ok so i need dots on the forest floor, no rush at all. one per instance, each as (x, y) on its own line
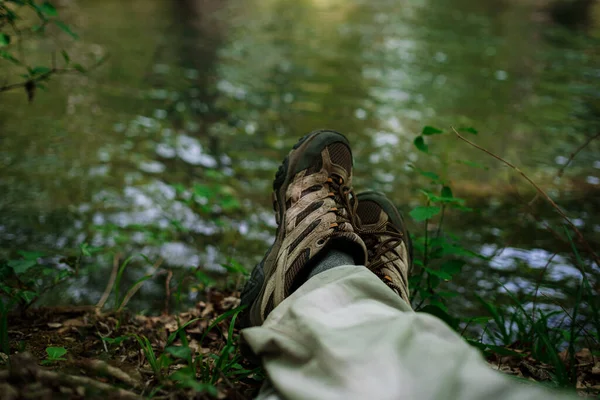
(107, 356)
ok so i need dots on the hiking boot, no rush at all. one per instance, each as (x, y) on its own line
(382, 228)
(313, 200)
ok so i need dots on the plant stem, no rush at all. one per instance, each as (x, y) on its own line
(541, 192)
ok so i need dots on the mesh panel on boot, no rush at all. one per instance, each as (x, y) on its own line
(368, 212)
(340, 154)
(295, 268)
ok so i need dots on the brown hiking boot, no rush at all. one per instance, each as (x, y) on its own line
(384, 233)
(313, 201)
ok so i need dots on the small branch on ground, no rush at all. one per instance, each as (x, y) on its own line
(24, 369)
(74, 381)
(102, 367)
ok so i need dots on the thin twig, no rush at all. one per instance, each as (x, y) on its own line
(228, 382)
(48, 74)
(560, 172)
(132, 291)
(541, 192)
(110, 284)
(38, 78)
(168, 291)
(439, 229)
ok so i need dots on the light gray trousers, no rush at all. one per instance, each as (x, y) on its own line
(345, 335)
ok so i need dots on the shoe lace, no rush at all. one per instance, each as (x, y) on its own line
(378, 248)
(345, 201)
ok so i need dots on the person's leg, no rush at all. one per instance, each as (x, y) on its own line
(345, 335)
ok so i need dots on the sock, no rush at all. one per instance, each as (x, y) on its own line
(333, 258)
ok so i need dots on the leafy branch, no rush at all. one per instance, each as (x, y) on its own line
(11, 34)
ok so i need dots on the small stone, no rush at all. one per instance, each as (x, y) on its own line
(54, 325)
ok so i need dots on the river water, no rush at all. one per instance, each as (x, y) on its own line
(170, 147)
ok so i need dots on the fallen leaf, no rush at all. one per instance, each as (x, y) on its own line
(584, 356)
(208, 310)
(230, 302)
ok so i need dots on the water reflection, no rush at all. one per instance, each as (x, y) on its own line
(170, 149)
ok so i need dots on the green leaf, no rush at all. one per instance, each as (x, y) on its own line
(55, 353)
(449, 249)
(179, 351)
(440, 274)
(441, 314)
(421, 145)
(173, 335)
(4, 39)
(230, 203)
(39, 70)
(448, 294)
(442, 199)
(428, 174)
(48, 9)
(66, 29)
(79, 68)
(118, 340)
(27, 296)
(430, 130)
(21, 266)
(187, 378)
(66, 56)
(468, 130)
(7, 56)
(452, 267)
(480, 320)
(31, 255)
(439, 305)
(422, 213)
(472, 164)
(235, 267)
(204, 191)
(84, 249)
(447, 192)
